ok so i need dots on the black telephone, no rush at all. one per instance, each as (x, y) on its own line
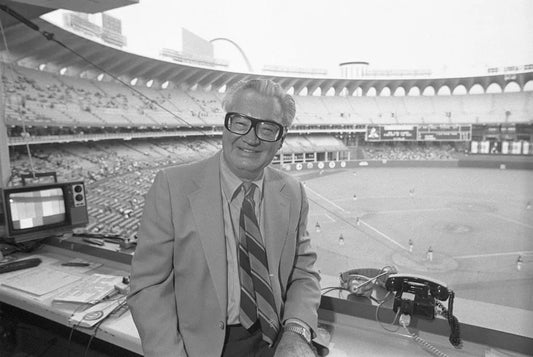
(425, 290)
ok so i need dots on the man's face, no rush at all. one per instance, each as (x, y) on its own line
(247, 155)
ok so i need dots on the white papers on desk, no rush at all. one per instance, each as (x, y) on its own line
(90, 290)
(40, 280)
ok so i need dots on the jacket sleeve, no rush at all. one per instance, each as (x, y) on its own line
(303, 289)
(152, 298)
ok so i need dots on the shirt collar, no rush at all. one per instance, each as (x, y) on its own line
(231, 183)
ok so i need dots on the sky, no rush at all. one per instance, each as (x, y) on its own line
(443, 36)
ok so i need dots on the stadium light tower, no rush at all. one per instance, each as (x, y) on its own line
(248, 64)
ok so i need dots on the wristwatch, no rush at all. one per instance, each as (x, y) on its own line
(300, 330)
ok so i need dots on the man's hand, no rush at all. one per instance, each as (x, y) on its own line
(292, 345)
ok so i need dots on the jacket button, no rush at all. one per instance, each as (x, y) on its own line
(221, 324)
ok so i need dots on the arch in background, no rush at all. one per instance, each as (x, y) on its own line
(248, 64)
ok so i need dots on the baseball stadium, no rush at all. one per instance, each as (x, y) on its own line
(427, 175)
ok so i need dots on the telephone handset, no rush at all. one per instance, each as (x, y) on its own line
(413, 283)
(424, 291)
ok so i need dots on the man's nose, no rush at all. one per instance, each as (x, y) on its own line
(251, 138)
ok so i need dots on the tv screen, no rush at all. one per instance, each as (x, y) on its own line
(37, 208)
(40, 211)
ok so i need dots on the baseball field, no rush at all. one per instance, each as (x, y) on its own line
(476, 223)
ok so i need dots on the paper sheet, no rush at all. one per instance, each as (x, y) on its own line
(40, 280)
(91, 289)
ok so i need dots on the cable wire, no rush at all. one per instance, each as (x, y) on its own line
(96, 327)
(74, 327)
(332, 288)
(120, 304)
(455, 328)
(423, 343)
(395, 317)
(51, 37)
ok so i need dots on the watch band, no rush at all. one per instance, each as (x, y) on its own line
(300, 330)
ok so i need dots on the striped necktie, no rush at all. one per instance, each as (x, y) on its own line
(257, 300)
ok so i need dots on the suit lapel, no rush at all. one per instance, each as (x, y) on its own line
(206, 204)
(277, 218)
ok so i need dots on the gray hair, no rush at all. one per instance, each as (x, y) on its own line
(267, 88)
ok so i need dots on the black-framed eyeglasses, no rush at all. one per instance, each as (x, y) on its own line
(266, 130)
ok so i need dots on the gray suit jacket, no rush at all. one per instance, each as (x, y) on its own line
(178, 293)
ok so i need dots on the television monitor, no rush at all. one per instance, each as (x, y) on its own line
(43, 210)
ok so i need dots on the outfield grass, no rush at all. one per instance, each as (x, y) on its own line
(475, 220)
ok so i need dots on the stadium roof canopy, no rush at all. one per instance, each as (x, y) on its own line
(30, 48)
(32, 9)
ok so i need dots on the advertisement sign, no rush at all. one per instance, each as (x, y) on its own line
(438, 132)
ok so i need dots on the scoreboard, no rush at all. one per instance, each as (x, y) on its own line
(430, 132)
(454, 132)
(391, 133)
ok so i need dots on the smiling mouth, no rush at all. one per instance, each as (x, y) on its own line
(248, 151)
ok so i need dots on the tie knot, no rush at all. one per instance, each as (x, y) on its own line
(249, 189)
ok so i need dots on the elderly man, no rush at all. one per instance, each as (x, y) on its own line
(223, 266)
